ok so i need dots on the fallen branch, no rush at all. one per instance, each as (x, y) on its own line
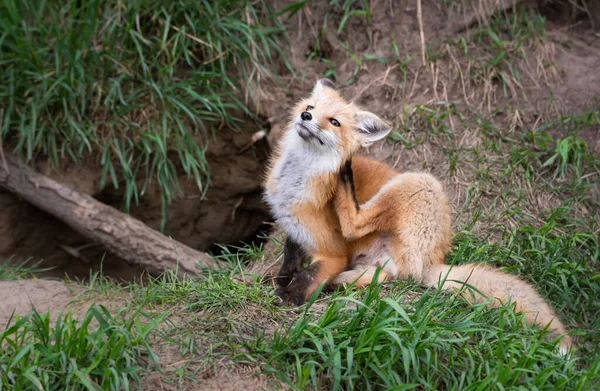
(118, 232)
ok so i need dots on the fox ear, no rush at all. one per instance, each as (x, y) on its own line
(371, 128)
(323, 83)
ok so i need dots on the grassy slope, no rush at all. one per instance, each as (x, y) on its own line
(134, 88)
(530, 205)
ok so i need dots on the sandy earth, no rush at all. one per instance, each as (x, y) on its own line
(22, 296)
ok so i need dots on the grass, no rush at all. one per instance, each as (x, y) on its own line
(530, 206)
(395, 336)
(98, 352)
(11, 270)
(334, 32)
(137, 88)
(498, 57)
(432, 342)
(398, 335)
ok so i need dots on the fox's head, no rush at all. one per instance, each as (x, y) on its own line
(330, 124)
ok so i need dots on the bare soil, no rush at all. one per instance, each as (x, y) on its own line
(21, 297)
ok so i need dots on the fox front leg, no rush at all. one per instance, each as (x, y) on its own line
(296, 292)
(323, 269)
(293, 258)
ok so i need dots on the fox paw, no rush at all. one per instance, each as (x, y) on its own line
(290, 297)
(348, 234)
(284, 279)
(350, 237)
(297, 291)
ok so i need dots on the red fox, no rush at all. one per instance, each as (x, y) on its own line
(348, 216)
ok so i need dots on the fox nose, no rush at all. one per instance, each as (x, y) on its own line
(306, 116)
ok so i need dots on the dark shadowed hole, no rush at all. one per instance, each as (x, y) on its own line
(257, 239)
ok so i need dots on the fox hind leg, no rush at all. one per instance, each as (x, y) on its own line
(361, 277)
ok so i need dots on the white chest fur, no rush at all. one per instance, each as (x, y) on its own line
(298, 164)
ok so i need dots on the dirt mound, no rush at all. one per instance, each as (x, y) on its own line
(21, 297)
(222, 381)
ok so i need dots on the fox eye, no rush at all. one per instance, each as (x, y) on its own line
(309, 107)
(334, 122)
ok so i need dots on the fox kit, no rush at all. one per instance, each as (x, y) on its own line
(348, 216)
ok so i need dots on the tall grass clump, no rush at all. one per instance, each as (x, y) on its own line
(136, 86)
(99, 352)
(435, 341)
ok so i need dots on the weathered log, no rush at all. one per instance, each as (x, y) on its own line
(118, 232)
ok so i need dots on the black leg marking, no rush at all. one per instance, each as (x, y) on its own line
(295, 293)
(293, 257)
(347, 178)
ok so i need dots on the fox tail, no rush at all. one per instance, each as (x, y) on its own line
(498, 285)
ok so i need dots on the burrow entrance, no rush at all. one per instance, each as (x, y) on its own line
(232, 213)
